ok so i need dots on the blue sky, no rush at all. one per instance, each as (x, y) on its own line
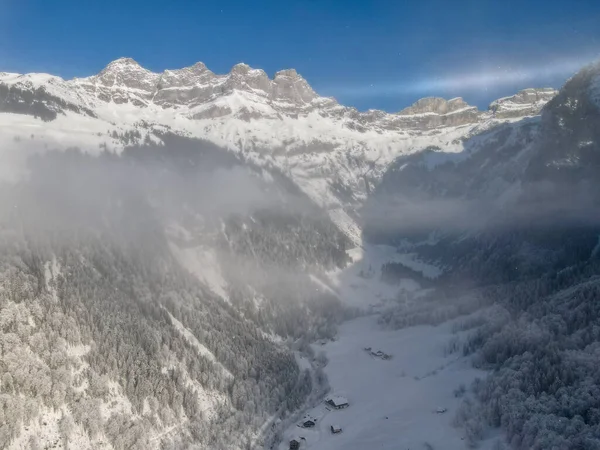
(370, 54)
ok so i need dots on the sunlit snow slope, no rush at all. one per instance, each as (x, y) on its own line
(336, 154)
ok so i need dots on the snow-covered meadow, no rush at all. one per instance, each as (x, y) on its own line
(394, 403)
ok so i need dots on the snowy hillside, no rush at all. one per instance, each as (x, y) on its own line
(184, 279)
(336, 154)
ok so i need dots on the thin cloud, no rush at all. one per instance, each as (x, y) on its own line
(470, 81)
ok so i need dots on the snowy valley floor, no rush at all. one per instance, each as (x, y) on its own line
(393, 402)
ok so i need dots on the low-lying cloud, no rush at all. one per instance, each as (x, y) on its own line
(538, 205)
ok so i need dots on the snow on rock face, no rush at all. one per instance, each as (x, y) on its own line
(435, 105)
(244, 78)
(288, 85)
(528, 102)
(121, 81)
(432, 112)
(127, 72)
(188, 76)
(336, 154)
(125, 81)
(184, 86)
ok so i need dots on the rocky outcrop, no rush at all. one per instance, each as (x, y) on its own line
(245, 78)
(125, 81)
(528, 102)
(249, 94)
(288, 86)
(190, 85)
(212, 112)
(121, 81)
(433, 112)
(435, 105)
(570, 135)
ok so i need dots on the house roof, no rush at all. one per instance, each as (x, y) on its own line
(336, 427)
(337, 400)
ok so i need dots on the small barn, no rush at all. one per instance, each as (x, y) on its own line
(335, 429)
(337, 402)
(294, 443)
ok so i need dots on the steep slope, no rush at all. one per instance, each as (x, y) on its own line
(532, 253)
(513, 178)
(108, 341)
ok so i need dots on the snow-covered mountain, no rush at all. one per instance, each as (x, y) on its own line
(163, 297)
(248, 94)
(333, 152)
(515, 193)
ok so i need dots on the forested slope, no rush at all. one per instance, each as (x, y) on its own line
(108, 341)
(531, 258)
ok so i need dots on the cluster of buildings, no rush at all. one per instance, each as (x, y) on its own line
(308, 421)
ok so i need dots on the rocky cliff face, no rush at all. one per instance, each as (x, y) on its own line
(570, 134)
(122, 81)
(514, 175)
(125, 81)
(527, 102)
(434, 112)
(205, 95)
(436, 105)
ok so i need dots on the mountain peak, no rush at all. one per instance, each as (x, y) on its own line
(187, 74)
(123, 66)
(123, 77)
(241, 68)
(122, 62)
(289, 86)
